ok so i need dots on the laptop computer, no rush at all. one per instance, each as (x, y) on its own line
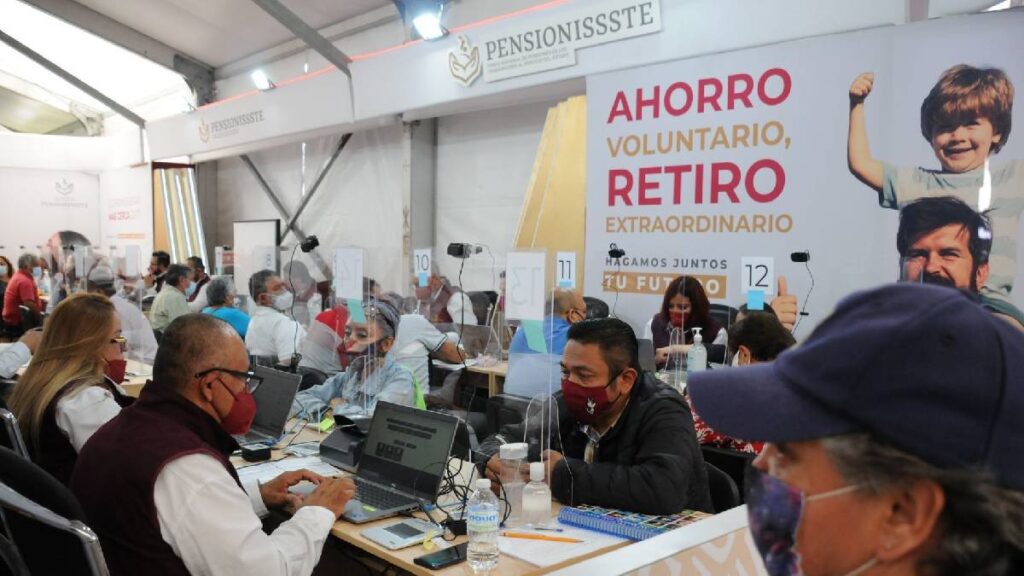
(645, 350)
(274, 398)
(403, 462)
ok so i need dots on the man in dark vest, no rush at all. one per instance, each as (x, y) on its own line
(157, 486)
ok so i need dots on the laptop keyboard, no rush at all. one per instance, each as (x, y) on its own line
(379, 498)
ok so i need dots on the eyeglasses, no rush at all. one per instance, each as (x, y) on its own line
(252, 381)
(121, 342)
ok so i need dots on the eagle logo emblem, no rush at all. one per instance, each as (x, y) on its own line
(204, 131)
(590, 406)
(64, 187)
(464, 62)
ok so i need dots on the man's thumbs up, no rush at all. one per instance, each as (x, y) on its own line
(785, 304)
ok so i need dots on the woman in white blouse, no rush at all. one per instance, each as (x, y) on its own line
(71, 387)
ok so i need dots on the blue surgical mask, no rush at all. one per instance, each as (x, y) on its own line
(191, 289)
(37, 272)
(774, 511)
(3, 270)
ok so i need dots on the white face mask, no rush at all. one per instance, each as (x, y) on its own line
(3, 270)
(283, 301)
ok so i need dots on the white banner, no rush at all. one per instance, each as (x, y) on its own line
(126, 209)
(39, 203)
(695, 164)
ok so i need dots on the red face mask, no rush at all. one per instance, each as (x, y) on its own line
(586, 405)
(676, 318)
(239, 419)
(116, 370)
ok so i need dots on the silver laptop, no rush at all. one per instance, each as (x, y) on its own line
(404, 459)
(274, 398)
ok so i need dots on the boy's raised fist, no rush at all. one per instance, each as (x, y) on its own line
(861, 87)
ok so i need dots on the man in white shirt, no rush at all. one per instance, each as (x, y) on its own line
(417, 341)
(134, 326)
(170, 303)
(196, 292)
(445, 303)
(173, 503)
(13, 357)
(271, 333)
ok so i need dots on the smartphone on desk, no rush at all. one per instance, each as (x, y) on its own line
(443, 558)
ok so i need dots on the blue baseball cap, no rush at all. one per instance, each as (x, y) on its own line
(922, 368)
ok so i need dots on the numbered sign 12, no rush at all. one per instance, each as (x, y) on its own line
(524, 285)
(565, 270)
(757, 273)
(348, 273)
(421, 265)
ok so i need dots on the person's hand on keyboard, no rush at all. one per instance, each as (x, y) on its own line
(333, 494)
(275, 493)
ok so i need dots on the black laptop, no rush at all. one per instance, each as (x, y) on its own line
(274, 398)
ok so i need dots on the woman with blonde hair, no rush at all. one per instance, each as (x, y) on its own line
(71, 387)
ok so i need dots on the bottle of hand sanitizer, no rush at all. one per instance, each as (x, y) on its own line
(697, 358)
(536, 498)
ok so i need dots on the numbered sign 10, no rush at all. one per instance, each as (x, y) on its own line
(524, 285)
(421, 266)
(757, 273)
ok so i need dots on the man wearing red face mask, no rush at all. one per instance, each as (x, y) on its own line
(623, 439)
(173, 503)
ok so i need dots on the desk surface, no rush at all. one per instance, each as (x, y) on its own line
(403, 559)
(498, 369)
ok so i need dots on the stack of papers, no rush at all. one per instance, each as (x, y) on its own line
(543, 553)
(269, 470)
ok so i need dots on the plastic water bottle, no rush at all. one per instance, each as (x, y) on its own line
(697, 359)
(512, 455)
(536, 498)
(676, 365)
(482, 527)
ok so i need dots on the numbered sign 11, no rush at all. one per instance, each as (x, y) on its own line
(421, 265)
(757, 273)
(565, 270)
(524, 285)
(348, 273)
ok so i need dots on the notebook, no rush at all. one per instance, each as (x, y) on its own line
(626, 524)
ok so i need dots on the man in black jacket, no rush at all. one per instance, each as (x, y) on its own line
(623, 439)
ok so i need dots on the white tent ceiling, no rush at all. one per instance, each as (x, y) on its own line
(222, 31)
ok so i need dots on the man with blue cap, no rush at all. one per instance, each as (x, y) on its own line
(895, 439)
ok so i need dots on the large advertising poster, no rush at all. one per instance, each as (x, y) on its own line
(696, 165)
(38, 203)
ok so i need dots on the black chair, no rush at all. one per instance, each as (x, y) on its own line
(10, 434)
(733, 463)
(310, 377)
(481, 305)
(725, 495)
(596, 308)
(45, 522)
(29, 318)
(725, 314)
(505, 409)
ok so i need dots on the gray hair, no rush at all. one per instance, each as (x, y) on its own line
(175, 272)
(384, 314)
(26, 261)
(258, 283)
(981, 527)
(219, 290)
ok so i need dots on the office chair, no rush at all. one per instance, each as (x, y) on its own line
(725, 495)
(505, 409)
(725, 314)
(10, 434)
(596, 308)
(45, 522)
(732, 462)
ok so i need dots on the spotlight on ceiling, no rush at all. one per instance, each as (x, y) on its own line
(424, 16)
(259, 78)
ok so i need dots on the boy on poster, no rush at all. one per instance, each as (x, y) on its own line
(966, 118)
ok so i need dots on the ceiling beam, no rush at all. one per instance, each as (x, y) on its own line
(198, 75)
(303, 31)
(72, 79)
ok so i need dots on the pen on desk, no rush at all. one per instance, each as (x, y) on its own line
(544, 537)
(542, 528)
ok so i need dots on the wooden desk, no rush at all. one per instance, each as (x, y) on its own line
(136, 376)
(403, 559)
(495, 373)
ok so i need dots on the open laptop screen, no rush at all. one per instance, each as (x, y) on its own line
(407, 449)
(273, 400)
